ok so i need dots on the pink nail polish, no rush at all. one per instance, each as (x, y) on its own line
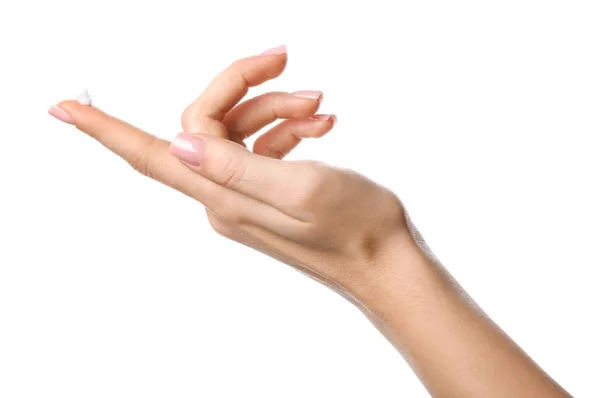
(60, 114)
(318, 95)
(188, 148)
(324, 117)
(275, 50)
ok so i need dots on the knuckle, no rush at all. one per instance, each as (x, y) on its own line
(139, 162)
(227, 211)
(394, 208)
(321, 176)
(188, 115)
(237, 65)
(232, 173)
(194, 117)
(315, 182)
(275, 153)
(229, 214)
(238, 72)
(142, 159)
(276, 100)
(219, 225)
(278, 107)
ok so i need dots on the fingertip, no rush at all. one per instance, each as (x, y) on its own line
(274, 62)
(260, 147)
(280, 64)
(325, 125)
(279, 50)
(325, 118)
(80, 115)
(313, 98)
(71, 105)
(60, 114)
(70, 111)
(321, 125)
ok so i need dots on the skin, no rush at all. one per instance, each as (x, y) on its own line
(334, 225)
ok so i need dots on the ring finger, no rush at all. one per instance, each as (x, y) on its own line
(281, 139)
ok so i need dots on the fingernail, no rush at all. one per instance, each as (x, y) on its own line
(60, 114)
(325, 117)
(309, 94)
(275, 50)
(188, 148)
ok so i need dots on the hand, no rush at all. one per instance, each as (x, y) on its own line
(332, 224)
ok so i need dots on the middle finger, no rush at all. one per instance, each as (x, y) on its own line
(252, 115)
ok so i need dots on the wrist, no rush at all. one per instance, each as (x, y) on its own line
(404, 264)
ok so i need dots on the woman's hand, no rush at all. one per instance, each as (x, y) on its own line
(334, 225)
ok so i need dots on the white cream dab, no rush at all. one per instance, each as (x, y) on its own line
(84, 98)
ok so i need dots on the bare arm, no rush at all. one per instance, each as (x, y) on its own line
(452, 345)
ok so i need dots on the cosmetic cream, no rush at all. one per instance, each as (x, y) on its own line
(84, 98)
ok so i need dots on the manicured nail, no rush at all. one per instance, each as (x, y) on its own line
(318, 95)
(188, 148)
(275, 50)
(60, 114)
(325, 117)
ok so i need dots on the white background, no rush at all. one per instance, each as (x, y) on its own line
(482, 116)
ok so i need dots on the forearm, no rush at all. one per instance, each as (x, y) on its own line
(453, 347)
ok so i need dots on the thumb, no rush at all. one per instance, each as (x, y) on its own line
(234, 167)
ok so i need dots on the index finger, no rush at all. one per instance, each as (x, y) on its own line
(229, 87)
(144, 152)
